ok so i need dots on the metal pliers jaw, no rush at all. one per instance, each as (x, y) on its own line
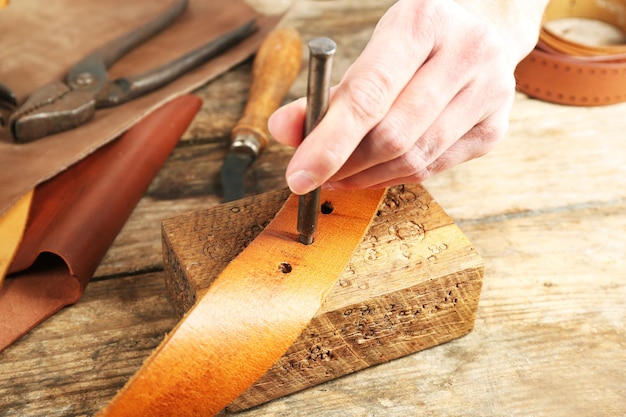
(51, 109)
(60, 106)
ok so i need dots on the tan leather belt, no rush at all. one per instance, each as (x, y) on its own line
(562, 71)
(250, 315)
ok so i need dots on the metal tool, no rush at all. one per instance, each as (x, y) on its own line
(276, 65)
(8, 103)
(60, 106)
(318, 91)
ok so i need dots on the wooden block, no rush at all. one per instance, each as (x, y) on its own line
(413, 283)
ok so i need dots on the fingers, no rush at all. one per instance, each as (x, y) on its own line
(287, 123)
(419, 105)
(363, 98)
(443, 117)
(427, 92)
(429, 156)
(457, 88)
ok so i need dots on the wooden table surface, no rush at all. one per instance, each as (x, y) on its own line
(546, 210)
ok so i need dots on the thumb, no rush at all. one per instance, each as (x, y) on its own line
(286, 124)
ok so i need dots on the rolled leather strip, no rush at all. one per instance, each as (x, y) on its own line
(252, 313)
(562, 71)
(75, 217)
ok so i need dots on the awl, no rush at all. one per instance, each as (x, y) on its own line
(275, 67)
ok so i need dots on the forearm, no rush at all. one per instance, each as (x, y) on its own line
(518, 21)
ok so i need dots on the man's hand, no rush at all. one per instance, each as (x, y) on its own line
(433, 88)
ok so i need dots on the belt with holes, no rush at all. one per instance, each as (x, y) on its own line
(562, 71)
(250, 315)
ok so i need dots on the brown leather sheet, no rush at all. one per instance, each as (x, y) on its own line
(76, 215)
(40, 41)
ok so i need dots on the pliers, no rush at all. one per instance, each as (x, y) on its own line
(59, 106)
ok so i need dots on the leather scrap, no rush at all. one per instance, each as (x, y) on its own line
(252, 313)
(40, 41)
(12, 225)
(75, 217)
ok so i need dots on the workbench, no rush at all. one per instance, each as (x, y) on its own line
(546, 210)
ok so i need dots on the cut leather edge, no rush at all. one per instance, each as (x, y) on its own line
(250, 315)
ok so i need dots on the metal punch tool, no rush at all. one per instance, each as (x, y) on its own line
(321, 51)
(60, 106)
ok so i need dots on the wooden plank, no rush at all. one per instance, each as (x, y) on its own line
(413, 283)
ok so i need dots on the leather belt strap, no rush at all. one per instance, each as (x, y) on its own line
(252, 313)
(562, 71)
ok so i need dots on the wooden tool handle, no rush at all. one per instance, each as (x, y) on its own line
(276, 65)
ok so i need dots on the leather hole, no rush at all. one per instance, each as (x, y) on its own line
(568, 69)
(548, 93)
(584, 99)
(285, 267)
(327, 207)
(560, 96)
(572, 99)
(555, 66)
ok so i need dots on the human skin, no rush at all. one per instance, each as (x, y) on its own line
(433, 88)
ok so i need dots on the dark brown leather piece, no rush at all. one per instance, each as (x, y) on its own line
(561, 71)
(76, 216)
(40, 41)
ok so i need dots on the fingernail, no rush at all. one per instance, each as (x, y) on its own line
(301, 182)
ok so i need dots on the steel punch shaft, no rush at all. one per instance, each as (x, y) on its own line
(321, 51)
